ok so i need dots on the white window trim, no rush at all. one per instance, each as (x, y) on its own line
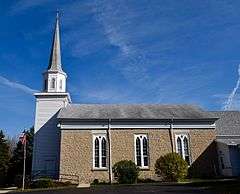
(100, 151)
(141, 147)
(53, 83)
(182, 136)
(60, 84)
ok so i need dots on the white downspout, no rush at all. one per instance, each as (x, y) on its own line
(110, 151)
(172, 135)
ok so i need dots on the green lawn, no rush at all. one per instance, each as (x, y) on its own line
(218, 186)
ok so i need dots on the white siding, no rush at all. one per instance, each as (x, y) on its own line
(224, 157)
(47, 134)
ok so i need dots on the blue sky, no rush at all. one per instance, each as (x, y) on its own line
(120, 51)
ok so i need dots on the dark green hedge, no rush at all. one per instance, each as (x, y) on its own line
(126, 172)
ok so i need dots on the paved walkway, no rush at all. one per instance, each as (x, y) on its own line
(7, 190)
(123, 189)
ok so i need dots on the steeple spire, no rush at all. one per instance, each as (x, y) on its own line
(55, 57)
(55, 77)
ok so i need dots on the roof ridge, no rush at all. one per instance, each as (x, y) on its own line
(223, 111)
(134, 104)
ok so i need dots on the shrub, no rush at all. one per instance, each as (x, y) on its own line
(48, 183)
(18, 181)
(126, 172)
(42, 183)
(171, 167)
(147, 180)
(95, 182)
(62, 184)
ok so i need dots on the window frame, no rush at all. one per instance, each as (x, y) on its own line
(141, 138)
(100, 156)
(60, 84)
(182, 137)
(53, 83)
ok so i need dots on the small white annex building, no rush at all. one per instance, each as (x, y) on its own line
(228, 142)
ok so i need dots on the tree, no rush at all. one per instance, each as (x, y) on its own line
(16, 162)
(171, 167)
(4, 158)
(12, 142)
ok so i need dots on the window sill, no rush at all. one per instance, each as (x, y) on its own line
(100, 169)
(144, 168)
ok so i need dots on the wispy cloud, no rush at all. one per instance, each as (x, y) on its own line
(140, 48)
(15, 85)
(229, 104)
(152, 56)
(116, 21)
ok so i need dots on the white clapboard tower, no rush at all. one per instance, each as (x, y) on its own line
(48, 102)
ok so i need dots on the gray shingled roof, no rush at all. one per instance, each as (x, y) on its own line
(228, 141)
(228, 123)
(133, 111)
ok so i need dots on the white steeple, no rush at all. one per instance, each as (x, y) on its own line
(55, 77)
(46, 147)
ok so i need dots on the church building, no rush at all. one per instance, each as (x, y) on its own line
(82, 142)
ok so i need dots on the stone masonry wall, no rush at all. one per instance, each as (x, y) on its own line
(77, 151)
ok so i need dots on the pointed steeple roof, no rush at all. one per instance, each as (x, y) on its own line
(55, 63)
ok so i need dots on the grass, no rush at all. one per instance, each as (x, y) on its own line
(219, 186)
(19, 190)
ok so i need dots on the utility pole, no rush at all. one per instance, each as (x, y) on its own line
(23, 139)
(24, 166)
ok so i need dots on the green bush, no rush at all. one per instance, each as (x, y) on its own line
(126, 172)
(147, 180)
(171, 167)
(42, 183)
(95, 182)
(18, 181)
(48, 183)
(62, 184)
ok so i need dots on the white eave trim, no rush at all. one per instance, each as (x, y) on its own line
(57, 94)
(77, 126)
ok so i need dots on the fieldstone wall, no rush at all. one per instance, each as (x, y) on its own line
(203, 153)
(123, 147)
(76, 158)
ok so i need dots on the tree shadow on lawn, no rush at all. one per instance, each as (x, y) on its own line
(219, 186)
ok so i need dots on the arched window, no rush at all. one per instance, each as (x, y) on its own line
(104, 152)
(138, 151)
(53, 83)
(60, 84)
(100, 151)
(145, 152)
(186, 151)
(182, 146)
(141, 151)
(96, 149)
(179, 146)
